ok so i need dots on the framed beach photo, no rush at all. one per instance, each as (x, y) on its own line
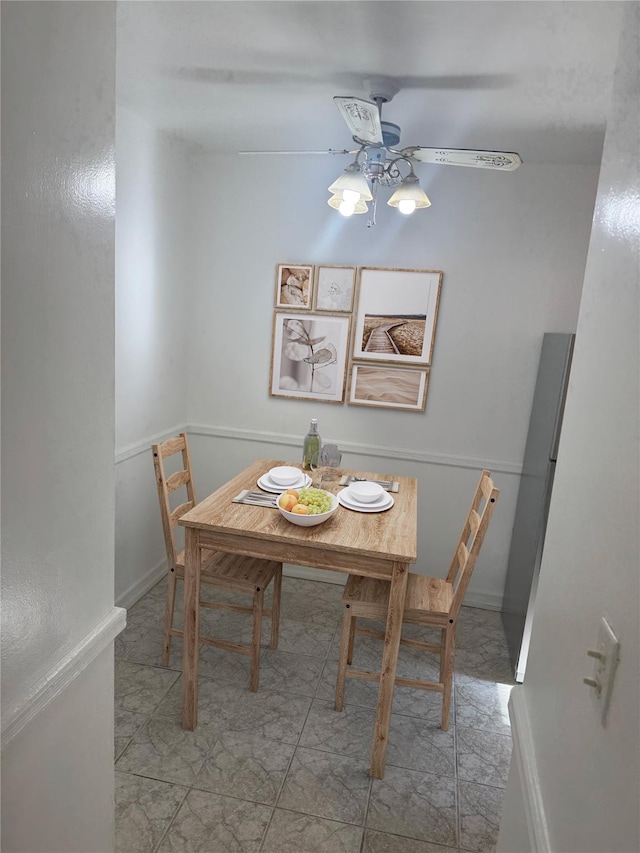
(309, 356)
(396, 315)
(334, 288)
(294, 286)
(388, 387)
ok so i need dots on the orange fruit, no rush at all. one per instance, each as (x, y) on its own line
(293, 492)
(287, 502)
(300, 509)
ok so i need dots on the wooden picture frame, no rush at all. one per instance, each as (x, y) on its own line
(396, 315)
(294, 286)
(334, 288)
(388, 386)
(309, 356)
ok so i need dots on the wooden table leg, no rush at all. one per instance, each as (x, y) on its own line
(192, 566)
(397, 594)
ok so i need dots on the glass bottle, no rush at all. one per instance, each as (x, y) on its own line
(311, 447)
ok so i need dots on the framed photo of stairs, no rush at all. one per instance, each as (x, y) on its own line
(396, 313)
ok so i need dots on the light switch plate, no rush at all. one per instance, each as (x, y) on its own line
(605, 666)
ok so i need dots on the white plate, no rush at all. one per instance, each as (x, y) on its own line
(349, 503)
(266, 483)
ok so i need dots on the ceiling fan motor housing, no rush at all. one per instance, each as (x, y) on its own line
(390, 134)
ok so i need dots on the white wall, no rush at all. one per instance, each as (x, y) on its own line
(153, 287)
(58, 620)
(512, 248)
(152, 279)
(587, 775)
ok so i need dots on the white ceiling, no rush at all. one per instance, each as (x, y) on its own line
(532, 77)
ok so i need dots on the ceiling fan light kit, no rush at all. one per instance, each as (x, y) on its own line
(377, 160)
(347, 208)
(409, 196)
(352, 181)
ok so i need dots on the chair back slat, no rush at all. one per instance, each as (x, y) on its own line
(171, 446)
(179, 511)
(175, 481)
(471, 539)
(486, 485)
(167, 485)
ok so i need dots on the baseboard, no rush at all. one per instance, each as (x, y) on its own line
(483, 600)
(142, 586)
(524, 756)
(62, 674)
(310, 574)
(480, 600)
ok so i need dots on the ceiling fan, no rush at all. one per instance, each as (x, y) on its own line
(378, 160)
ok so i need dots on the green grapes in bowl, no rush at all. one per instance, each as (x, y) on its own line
(316, 500)
(310, 507)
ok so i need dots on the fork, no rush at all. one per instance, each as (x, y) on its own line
(355, 479)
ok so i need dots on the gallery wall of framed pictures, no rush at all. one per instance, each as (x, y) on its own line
(361, 333)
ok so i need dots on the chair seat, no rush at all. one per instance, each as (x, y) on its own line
(233, 572)
(370, 598)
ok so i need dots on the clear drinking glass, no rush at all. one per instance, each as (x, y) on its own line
(330, 458)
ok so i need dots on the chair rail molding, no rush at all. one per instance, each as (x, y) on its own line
(524, 755)
(144, 445)
(62, 674)
(384, 452)
(282, 439)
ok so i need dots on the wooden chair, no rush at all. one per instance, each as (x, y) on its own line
(228, 572)
(430, 602)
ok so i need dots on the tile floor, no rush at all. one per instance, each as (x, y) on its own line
(279, 771)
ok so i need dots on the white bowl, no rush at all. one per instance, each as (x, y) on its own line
(365, 491)
(308, 520)
(284, 475)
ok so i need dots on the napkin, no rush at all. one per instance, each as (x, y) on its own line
(387, 485)
(255, 499)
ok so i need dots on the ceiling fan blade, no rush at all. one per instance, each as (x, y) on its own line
(362, 118)
(329, 151)
(504, 161)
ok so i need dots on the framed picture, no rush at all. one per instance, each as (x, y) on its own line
(334, 288)
(294, 286)
(396, 315)
(388, 387)
(309, 356)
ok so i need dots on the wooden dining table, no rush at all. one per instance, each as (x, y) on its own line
(377, 545)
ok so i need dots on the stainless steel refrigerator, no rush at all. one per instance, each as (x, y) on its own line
(534, 495)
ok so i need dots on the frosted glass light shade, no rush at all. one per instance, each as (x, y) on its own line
(336, 200)
(410, 190)
(352, 179)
